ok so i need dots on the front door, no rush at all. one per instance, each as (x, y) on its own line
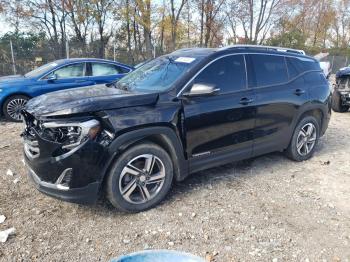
(221, 124)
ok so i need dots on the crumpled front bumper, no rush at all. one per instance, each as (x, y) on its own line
(83, 195)
(75, 176)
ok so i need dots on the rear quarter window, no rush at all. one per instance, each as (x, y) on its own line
(299, 65)
(269, 69)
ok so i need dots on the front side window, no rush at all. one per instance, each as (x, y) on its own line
(103, 69)
(70, 71)
(269, 69)
(227, 73)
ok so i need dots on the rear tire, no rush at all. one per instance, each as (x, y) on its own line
(13, 106)
(140, 178)
(337, 105)
(304, 140)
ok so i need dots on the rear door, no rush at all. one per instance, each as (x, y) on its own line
(104, 73)
(69, 76)
(279, 95)
(221, 124)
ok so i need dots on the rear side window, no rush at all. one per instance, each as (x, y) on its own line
(269, 70)
(227, 73)
(298, 65)
(103, 69)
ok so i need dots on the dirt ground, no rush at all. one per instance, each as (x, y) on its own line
(265, 209)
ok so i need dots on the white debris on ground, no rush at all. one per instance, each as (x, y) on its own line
(16, 180)
(6, 233)
(2, 219)
(9, 172)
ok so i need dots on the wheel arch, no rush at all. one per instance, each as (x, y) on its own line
(165, 137)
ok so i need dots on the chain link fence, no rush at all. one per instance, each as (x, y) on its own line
(28, 56)
(27, 59)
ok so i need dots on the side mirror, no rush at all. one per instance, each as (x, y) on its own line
(52, 78)
(202, 90)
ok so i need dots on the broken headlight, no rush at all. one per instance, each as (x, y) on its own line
(70, 134)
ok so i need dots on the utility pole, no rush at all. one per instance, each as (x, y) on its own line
(114, 52)
(67, 49)
(13, 59)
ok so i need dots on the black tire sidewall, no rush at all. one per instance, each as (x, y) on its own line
(337, 103)
(292, 150)
(7, 101)
(112, 185)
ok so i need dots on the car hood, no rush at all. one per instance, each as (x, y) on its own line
(11, 79)
(86, 99)
(345, 71)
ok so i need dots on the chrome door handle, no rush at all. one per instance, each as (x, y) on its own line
(299, 92)
(246, 101)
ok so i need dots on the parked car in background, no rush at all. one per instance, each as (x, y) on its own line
(177, 114)
(16, 90)
(341, 92)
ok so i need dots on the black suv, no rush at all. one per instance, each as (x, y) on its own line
(177, 114)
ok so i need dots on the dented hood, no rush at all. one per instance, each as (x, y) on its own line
(86, 99)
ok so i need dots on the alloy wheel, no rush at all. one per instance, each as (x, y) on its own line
(306, 139)
(142, 179)
(14, 108)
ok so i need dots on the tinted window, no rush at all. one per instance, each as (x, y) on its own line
(102, 69)
(299, 65)
(269, 69)
(75, 70)
(314, 78)
(227, 73)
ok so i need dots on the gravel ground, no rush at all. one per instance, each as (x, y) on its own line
(265, 209)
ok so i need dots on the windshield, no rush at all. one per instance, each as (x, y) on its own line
(156, 75)
(41, 70)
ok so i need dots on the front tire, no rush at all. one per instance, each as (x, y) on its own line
(337, 104)
(13, 106)
(140, 178)
(304, 139)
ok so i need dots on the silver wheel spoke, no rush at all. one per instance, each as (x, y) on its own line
(145, 193)
(149, 163)
(300, 144)
(132, 170)
(310, 130)
(129, 188)
(307, 150)
(156, 178)
(302, 132)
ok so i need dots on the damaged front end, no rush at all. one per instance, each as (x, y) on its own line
(66, 157)
(342, 85)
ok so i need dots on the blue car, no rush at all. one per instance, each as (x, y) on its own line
(16, 90)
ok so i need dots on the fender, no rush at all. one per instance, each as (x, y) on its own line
(310, 107)
(173, 142)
